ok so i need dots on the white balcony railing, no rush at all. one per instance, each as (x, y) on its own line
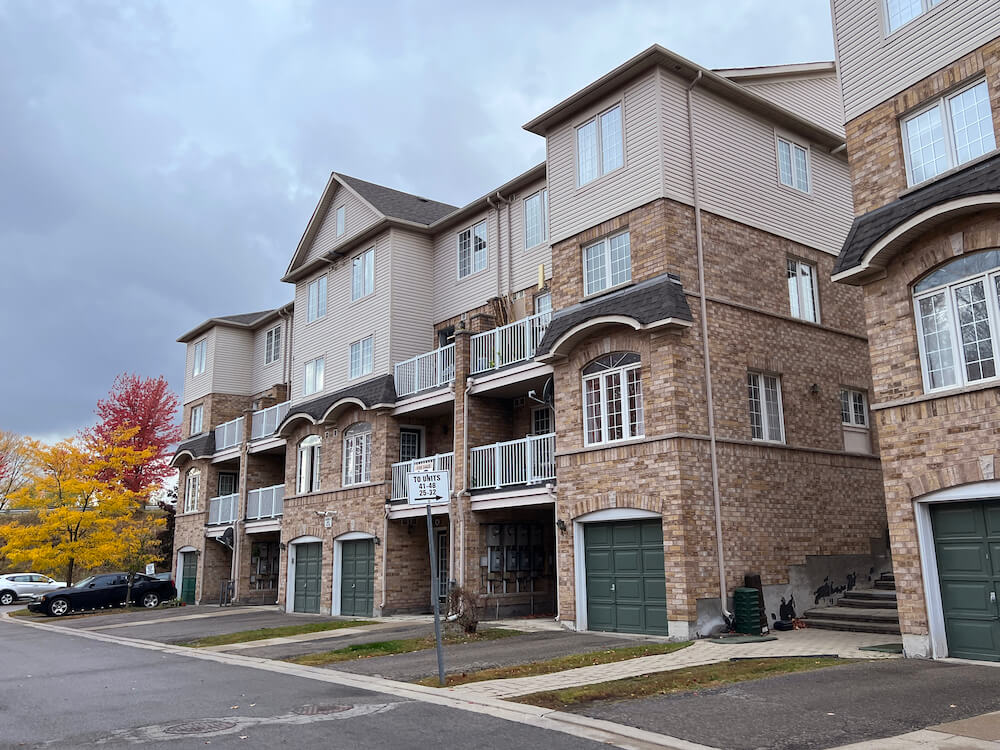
(267, 502)
(529, 460)
(431, 370)
(223, 509)
(266, 421)
(441, 462)
(514, 342)
(229, 434)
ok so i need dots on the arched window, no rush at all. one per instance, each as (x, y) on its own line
(192, 486)
(958, 320)
(308, 475)
(612, 399)
(357, 454)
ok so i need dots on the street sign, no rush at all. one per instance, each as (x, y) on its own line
(428, 487)
(150, 569)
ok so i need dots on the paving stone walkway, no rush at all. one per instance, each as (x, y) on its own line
(794, 643)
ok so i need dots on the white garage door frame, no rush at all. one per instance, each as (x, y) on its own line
(338, 560)
(290, 570)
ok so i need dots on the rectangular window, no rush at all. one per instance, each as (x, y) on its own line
(317, 299)
(472, 244)
(612, 401)
(196, 419)
(953, 131)
(607, 263)
(764, 392)
(363, 274)
(191, 489)
(793, 165)
(409, 444)
(600, 146)
(361, 357)
(200, 351)
(901, 12)
(541, 420)
(340, 220)
(853, 408)
(802, 290)
(536, 211)
(314, 376)
(543, 303)
(227, 483)
(272, 346)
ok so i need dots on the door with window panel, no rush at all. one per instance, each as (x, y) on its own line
(410, 444)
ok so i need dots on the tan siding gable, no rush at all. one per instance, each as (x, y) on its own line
(358, 216)
(524, 262)
(454, 296)
(233, 361)
(816, 98)
(412, 295)
(196, 387)
(265, 375)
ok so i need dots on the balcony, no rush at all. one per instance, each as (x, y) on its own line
(527, 461)
(441, 462)
(229, 435)
(265, 422)
(267, 502)
(223, 509)
(431, 370)
(509, 344)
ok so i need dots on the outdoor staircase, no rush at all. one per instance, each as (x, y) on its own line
(861, 610)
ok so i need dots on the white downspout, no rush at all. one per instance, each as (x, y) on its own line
(716, 495)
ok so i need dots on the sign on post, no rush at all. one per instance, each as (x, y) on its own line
(426, 487)
(150, 569)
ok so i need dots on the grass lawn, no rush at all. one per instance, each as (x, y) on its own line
(89, 613)
(677, 681)
(260, 634)
(558, 664)
(387, 648)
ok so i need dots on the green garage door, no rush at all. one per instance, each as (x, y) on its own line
(189, 576)
(357, 577)
(626, 592)
(967, 543)
(308, 574)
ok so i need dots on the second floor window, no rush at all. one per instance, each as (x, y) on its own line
(900, 12)
(317, 299)
(536, 210)
(853, 408)
(196, 418)
(472, 244)
(363, 274)
(357, 454)
(766, 422)
(599, 146)
(307, 476)
(200, 352)
(543, 303)
(192, 486)
(361, 357)
(612, 399)
(272, 346)
(314, 376)
(541, 420)
(793, 165)
(951, 132)
(340, 220)
(802, 290)
(607, 263)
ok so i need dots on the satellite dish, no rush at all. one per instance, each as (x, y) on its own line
(227, 537)
(548, 392)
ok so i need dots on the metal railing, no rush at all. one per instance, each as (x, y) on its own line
(441, 462)
(514, 342)
(229, 434)
(266, 421)
(529, 460)
(266, 502)
(223, 509)
(431, 370)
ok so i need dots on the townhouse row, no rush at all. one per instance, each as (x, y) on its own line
(631, 360)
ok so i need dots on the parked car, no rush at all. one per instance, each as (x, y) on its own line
(104, 592)
(15, 586)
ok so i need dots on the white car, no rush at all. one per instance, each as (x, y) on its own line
(14, 586)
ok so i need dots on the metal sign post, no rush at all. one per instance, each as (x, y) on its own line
(430, 488)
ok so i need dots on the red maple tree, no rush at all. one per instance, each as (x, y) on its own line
(149, 405)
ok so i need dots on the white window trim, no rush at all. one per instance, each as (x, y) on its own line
(544, 192)
(793, 144)
(341, 220)
(200, 364)
(272, 345)
(317, 382)
(191, 498)
(362, 258)
(764, 423)
(864, 397)
(472, 253)
(308, 455)
(958, 360)
(926, 7)
(799, 290)
(317, 282)
(350, 358)
(606, 241)
(366, 454)
(947, 126)
(200, 411)
(600, 146)
(626, 417)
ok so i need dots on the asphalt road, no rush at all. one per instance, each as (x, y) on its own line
(63, 691)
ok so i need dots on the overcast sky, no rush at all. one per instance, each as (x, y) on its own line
(159, 160)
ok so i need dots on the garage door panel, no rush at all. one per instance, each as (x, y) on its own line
(652, 561)
(598, 535)
(974, 639)
(652, 533)
(993, 519)
(601, 616)
(958, 521)
(656, 617)
(964, 598)
(599, 559)
(626, 535)
(995, 559)
(963, 558)
(627, 562)
(628, 590)
(599, 588)
(654, 590)
(630, 618)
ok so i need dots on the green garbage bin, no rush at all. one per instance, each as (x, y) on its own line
(746, 611)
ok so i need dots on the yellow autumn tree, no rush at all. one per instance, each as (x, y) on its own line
(77, 512)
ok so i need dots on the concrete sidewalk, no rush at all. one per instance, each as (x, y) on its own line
(968, 734)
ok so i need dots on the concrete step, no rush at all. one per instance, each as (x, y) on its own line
(867, 602)
(888, 577)
(888, 628)
(854, 614)
(886, 585)
(873, 594)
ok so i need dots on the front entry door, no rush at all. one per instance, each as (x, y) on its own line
(626, 589)
(357, 577)
(189, 576)
(308, 574)
(967, 545)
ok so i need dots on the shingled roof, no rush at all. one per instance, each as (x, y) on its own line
(199, 446)
(868, 229)
(380, 390)
(395, 204)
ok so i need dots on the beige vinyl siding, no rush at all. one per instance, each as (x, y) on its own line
(265, 375)
(575, 209)
(345, 321)
(676, 143)
(196, 387)
(738, 178)
(412, 295)
(358, 216)
(873, 68)
(522, 267)
(816, 98)
(454, 296)
(233, 361)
